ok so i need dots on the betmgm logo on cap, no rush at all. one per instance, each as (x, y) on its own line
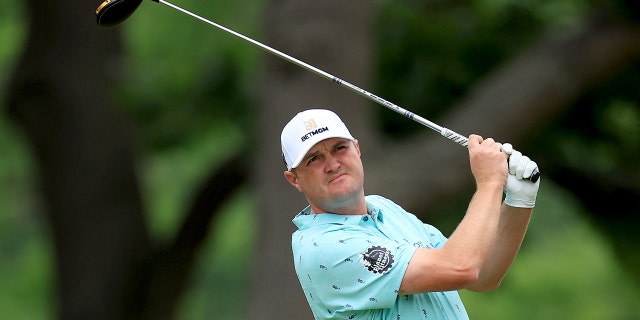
(308, 128)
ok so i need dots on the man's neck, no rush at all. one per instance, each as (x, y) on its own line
(355, 205)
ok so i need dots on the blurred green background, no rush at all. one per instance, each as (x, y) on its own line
(566, 268)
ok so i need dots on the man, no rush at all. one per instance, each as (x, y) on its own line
(364, 257)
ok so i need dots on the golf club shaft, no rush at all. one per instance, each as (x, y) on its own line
(449, 134)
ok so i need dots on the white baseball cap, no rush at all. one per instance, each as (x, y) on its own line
(308, 128)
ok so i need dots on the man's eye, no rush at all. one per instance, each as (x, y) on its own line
(312, 159)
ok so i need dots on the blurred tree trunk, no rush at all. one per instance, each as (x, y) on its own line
(106, 264)
(58, 95)
(330, 35)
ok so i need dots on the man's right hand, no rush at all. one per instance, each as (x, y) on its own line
(488, 162)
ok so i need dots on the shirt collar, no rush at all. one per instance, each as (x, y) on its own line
(305, 219)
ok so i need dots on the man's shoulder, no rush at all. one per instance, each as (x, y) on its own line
(379, 202)
(324, 223)
(378, 199)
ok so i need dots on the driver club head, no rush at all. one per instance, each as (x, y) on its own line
(112, 12)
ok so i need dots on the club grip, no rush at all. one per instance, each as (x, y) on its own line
(534, 176)
(455, 137)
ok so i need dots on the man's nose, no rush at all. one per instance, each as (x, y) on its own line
(332, 163)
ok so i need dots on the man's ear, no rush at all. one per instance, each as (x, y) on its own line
(355, 143)
(292, 178)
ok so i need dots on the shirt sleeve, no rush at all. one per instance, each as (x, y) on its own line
(357, 270)
(435, 236)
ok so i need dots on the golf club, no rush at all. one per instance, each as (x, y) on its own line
(113, 12)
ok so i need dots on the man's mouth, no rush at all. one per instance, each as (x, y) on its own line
(340, 175)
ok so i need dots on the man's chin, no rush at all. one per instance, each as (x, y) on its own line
(342, 189)
(345, 197)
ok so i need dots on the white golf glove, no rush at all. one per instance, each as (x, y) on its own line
(519, 191)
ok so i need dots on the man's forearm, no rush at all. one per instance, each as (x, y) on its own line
(475, 235)
(510, 234)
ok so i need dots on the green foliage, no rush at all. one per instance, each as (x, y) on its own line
(26, 272)
(220, 283)
(26, 265)
(11, 36)
(431, 52)
(184, 76)
(565, 270)
(169, 177)
(603, 134)
(220, 287)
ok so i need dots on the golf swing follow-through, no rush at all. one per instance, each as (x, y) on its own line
(363, 256)
(113, 12)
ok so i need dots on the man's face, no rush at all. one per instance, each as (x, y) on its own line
(330, 175)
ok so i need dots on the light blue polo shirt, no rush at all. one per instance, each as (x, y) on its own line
(351, 266)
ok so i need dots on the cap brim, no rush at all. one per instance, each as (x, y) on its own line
(296, 163)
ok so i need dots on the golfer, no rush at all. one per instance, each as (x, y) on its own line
(365, 257)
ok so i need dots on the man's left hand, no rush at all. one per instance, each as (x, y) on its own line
(519, 191)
